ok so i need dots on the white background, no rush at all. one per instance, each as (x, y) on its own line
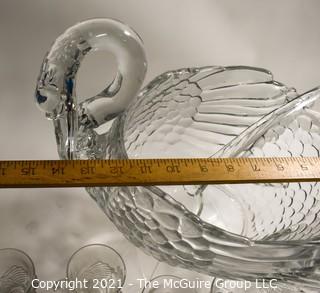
(282, 36)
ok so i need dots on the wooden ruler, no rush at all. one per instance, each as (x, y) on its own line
(78, 173)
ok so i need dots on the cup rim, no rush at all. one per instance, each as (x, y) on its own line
(160, 276)
(27, 257)
(98, 245)
(22, 253)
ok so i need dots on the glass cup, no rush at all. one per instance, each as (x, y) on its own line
(168, 284)
(97, 269)
(16, 271)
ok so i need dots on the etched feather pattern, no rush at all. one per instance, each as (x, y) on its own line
(14, 280)
(286, 211)
(198, 111)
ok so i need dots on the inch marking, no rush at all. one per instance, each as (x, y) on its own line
(173, 171)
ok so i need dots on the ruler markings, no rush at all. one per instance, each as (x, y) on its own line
(173, 171)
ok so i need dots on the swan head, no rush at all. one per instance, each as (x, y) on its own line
(55, 92)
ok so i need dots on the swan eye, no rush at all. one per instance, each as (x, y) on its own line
(40, 98)
(47, 101)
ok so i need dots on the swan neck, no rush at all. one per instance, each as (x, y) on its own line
(56, 94)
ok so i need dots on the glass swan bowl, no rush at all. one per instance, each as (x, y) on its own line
(237, 232)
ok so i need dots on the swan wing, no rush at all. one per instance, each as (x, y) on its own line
(286, 211)
(291, 131)
(195, 112)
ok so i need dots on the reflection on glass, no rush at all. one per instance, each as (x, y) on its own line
(16, 271)
(245, 231)
(169, 284)
(98, 268)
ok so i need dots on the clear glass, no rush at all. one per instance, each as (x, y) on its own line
(100, 267)
(16, 271)
(234, 232)
(168, 284)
